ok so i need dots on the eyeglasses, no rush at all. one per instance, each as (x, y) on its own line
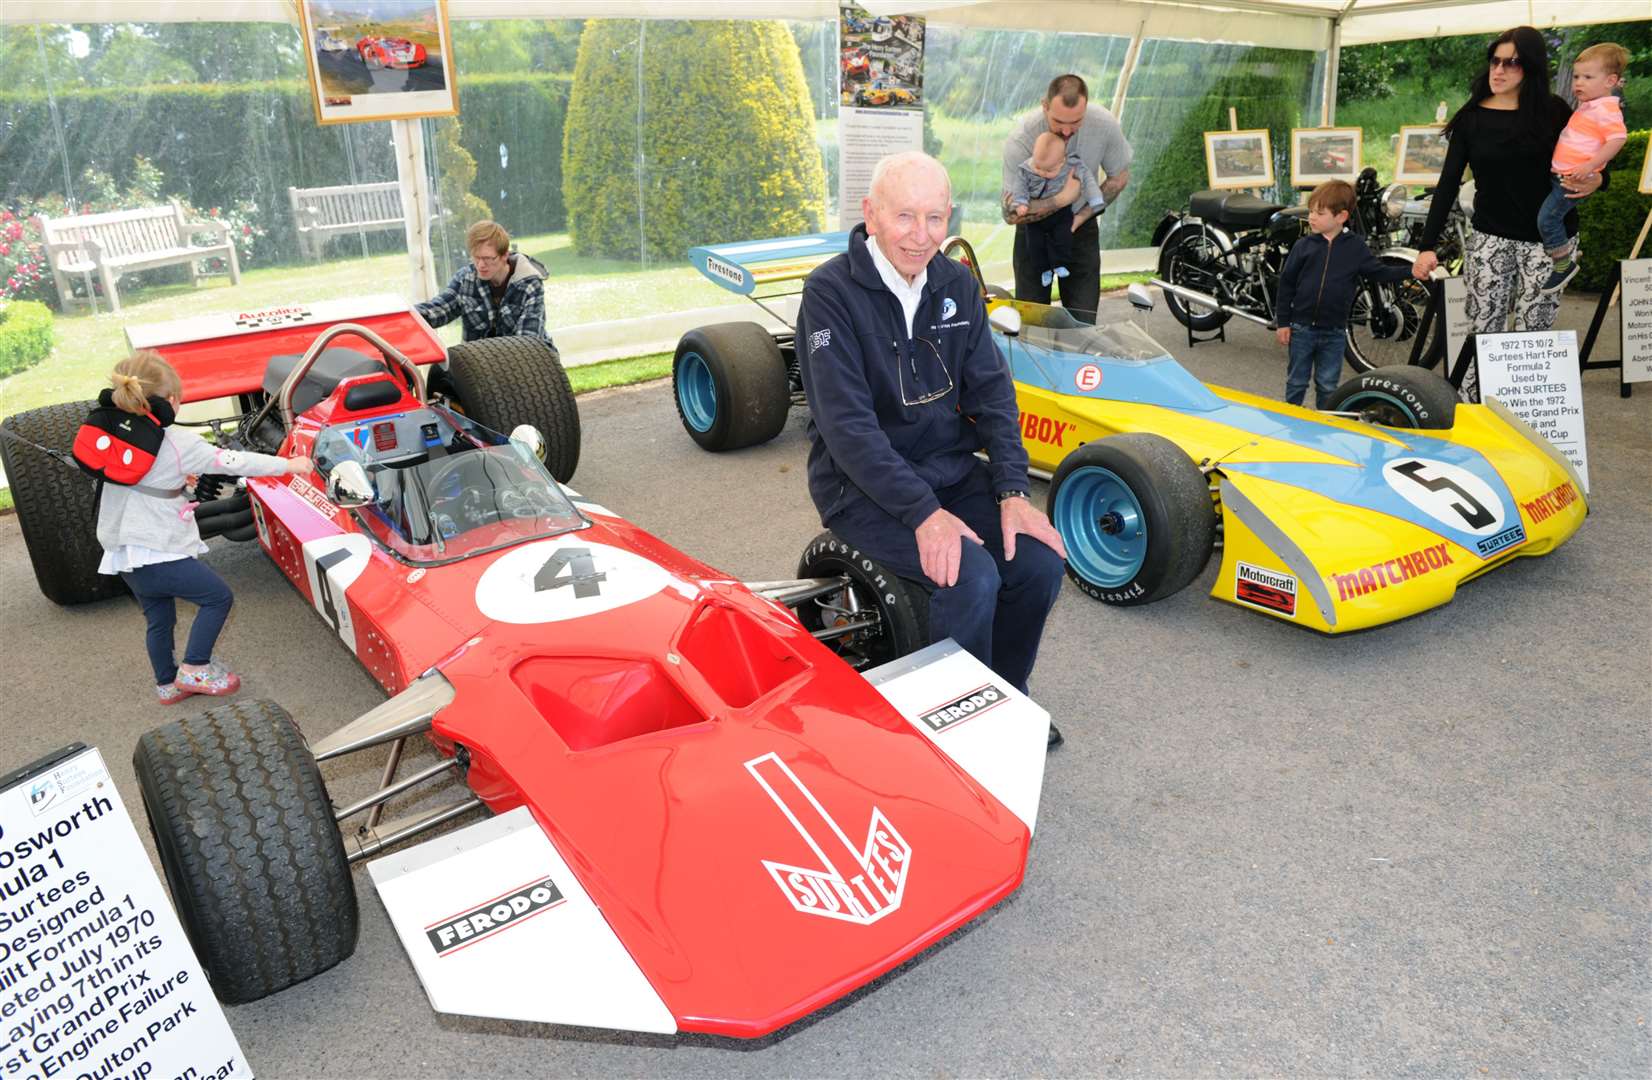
(1511, 63)
(912, 361)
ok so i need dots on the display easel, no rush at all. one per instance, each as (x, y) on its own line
(1608, 297)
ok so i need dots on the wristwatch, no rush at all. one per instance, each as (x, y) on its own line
(1006, 496)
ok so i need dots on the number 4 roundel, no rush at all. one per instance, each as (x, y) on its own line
(566, 578)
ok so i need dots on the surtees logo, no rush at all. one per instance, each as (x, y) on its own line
(496, 915)
(855, 886)
(949, 308)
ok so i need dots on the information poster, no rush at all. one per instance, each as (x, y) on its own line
(1637, 320)
(880, 98)
(1456, 319)
(1536, 375)
(96, 976)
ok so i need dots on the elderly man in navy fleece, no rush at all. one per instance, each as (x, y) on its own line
(905, 385)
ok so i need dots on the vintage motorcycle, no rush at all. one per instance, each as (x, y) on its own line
(1221, 257)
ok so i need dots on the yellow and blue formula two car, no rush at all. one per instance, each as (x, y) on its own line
(1375, 509)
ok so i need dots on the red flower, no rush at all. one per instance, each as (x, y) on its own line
(246, 230)
(5, 249)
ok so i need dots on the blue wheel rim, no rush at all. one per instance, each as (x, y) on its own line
(696, 392)
(1103, 526)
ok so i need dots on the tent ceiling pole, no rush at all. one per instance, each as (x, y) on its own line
(1333, 67)
(415, 185)
(1131, 55)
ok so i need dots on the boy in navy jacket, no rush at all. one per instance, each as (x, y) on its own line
(1316, 292)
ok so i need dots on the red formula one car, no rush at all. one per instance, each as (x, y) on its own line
(701, 817)
(390, 52)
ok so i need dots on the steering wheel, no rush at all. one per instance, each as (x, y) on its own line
(510, 500)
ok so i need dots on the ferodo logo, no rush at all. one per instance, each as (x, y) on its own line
(1264, 588)
(493, 917)
(1550, 503)
(727, 271)
(958, 710)
(853, 885)
(1380, 575)
(1042, 429)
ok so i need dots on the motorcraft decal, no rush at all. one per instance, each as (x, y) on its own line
(967, 707)
(1380, 575)
(854, 886)
(1264, 588)
(449, 935)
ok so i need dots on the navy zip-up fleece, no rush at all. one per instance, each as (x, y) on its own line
(873, 433)
(1316, 287)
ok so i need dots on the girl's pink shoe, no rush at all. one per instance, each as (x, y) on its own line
(214, 680)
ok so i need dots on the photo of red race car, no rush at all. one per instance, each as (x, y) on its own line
(390, 52)
(701, 814)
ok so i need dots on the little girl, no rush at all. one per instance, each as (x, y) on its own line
(149, 535)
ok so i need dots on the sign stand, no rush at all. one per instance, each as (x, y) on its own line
(95, 971)
(1607, 298)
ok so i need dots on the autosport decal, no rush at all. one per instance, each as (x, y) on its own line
(1042, 429)
(1264, 588)
(858, 886)
(492, 917)
(1551, 502)
(1395, 571)
(956, 711)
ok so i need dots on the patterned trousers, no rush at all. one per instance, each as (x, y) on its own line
(1504, 278)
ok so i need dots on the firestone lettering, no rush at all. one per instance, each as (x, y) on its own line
(1391, 571)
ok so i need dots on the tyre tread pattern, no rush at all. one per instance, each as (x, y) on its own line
(1428, 397)
(54, 506)
(505, 381)
(903, 604)
(246, 836)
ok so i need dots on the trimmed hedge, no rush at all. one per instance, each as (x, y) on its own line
(1175, 127)
(726, 143)
(25, 335)
(1610, 219)
(219, 144)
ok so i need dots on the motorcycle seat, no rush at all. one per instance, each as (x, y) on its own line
(1232, 208)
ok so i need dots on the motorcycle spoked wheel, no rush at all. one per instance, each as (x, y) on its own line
(1382, 333)
(1190, 257)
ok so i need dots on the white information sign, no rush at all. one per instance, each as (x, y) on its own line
(96, 976)
(865, 136)
(1456, 320)
(1535, 374)
(1637, 320)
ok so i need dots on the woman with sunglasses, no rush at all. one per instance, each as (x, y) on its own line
(1506, 133)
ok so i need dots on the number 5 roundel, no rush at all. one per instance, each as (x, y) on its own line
(1447, 493)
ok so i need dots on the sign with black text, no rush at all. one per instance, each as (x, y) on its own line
(1637, 320)
(1457, 326)
(1535, 374)
(96, 976)
(880, 105)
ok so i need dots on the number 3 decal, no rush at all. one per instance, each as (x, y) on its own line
(1447, 493)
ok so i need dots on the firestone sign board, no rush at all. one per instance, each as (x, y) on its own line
(96, 976)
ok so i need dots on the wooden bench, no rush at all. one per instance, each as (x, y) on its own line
(121, 241)
(319, 214)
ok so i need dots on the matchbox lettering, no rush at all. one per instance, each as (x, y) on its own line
(1381, 575)
(1035, 428)
(960, 709)
(1550, 503)
(727, 271)
(495, 916)
(1264, 588)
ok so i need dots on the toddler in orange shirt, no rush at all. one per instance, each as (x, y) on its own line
(1594, 134)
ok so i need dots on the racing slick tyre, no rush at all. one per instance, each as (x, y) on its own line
(1189, 257)
(252, 855)
(1401, 396)
(729, 380)
(896, 607)
(505, 381)
(54, 505)
(1384, 321)
(1136, 515)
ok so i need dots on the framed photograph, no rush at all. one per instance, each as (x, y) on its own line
(1421, 154)
(386, 60)
(1321, 154)
(1239, 159)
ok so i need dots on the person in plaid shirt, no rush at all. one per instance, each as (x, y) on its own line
(500, 293)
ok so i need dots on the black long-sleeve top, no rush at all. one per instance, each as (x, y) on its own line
(1511, 173)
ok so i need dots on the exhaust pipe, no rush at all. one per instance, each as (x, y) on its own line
(1210, 302)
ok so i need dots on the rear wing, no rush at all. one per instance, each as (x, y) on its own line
(742, 266)
(225, 353)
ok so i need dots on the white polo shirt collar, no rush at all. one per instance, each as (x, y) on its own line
(908, 294)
